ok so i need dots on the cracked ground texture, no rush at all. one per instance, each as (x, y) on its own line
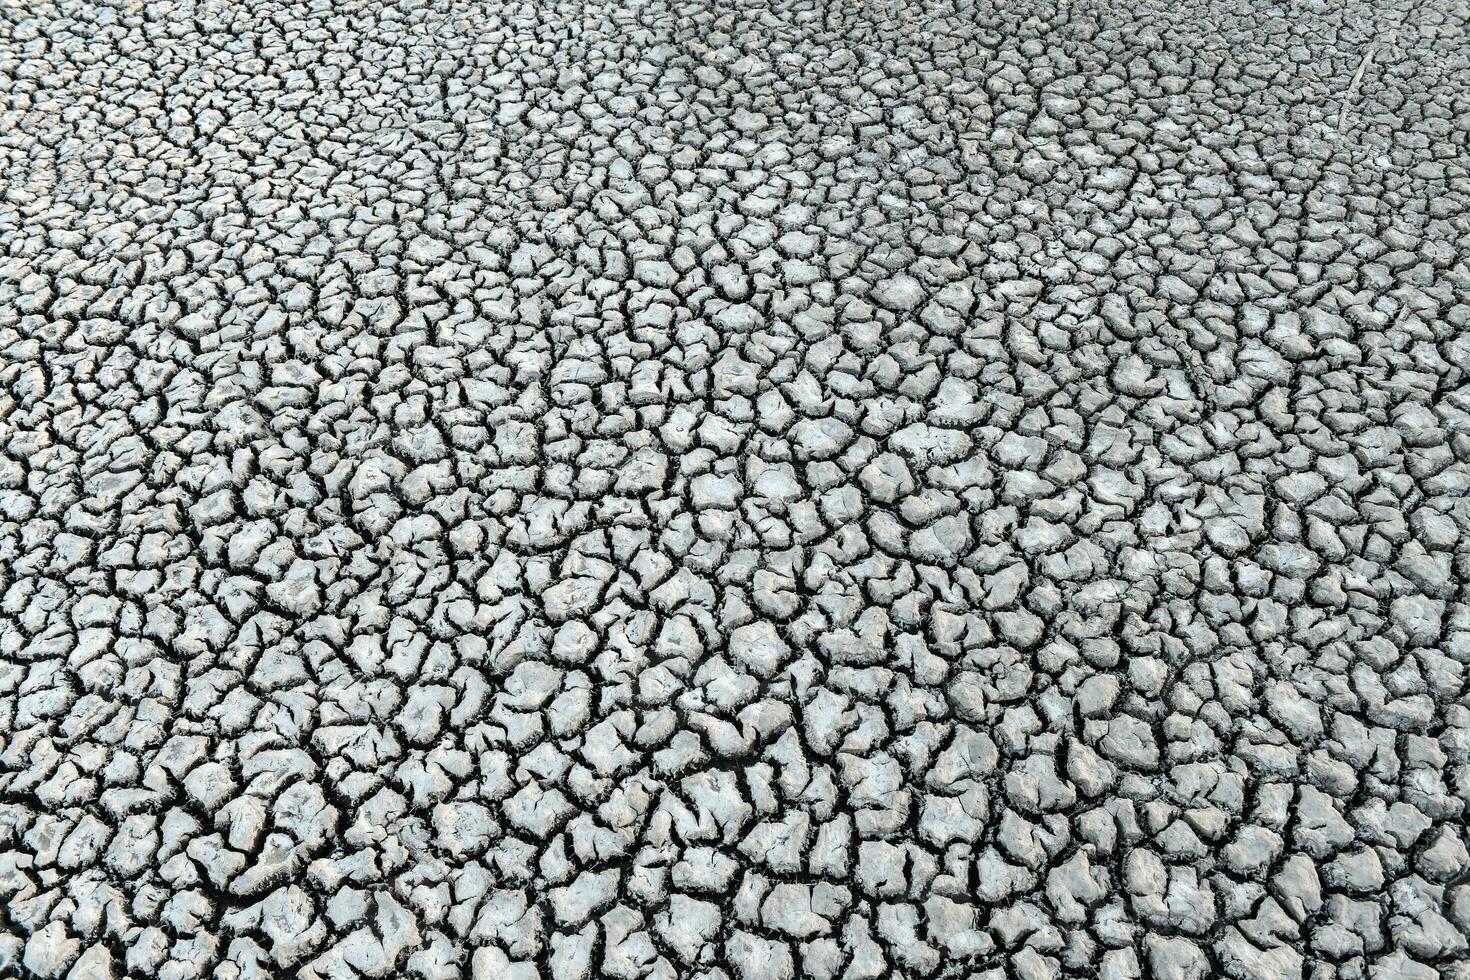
(734, 491)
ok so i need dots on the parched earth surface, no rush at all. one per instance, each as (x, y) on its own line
(737, 491)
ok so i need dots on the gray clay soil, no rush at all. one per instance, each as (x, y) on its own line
(734, 491)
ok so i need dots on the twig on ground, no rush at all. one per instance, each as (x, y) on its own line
(1352, 90)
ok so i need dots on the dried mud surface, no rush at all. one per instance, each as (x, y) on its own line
(735, 491)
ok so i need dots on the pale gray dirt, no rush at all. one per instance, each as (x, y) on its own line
(737, 491)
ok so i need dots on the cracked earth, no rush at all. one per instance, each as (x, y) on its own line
(735, 491)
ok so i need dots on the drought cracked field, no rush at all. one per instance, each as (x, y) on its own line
(734, 491)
